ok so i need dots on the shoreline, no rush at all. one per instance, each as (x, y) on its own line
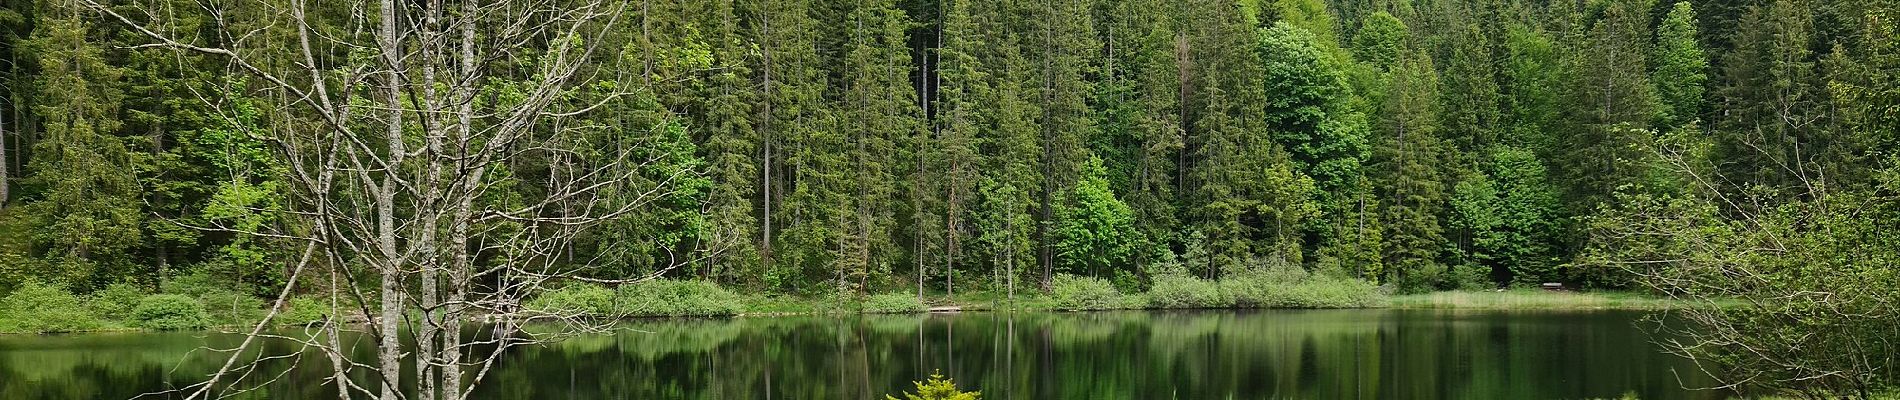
(777, 306)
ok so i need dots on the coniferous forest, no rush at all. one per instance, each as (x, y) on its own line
(819, 146)
(436, 152)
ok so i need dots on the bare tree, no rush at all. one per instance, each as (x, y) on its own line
(402, 128)
(1796, 297)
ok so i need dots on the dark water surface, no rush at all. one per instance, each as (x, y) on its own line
(1333, 354)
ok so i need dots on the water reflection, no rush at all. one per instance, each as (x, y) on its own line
(1368, 354)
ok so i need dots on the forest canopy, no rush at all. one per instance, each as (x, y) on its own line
(855, 146)
(1700, 149)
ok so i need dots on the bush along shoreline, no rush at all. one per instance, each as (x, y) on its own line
(194, 303)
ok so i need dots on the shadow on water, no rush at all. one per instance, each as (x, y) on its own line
(1365, 354)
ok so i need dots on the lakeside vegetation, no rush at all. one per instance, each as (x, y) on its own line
(39, 308)
(395, 168)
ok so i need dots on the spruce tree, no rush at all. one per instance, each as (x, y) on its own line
(86, 204)
(1680, 67)
(1410, 165)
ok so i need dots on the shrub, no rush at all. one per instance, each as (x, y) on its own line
(1071, 292)
(226, 302)
(1468, 278)
(666, 297)
(583, 298)
(937, 388)
(1286, 289)
(1180, 291)
(169, 312)
(232, 308)
(1330, 292)
(893, 303)
(40, 308)
(304, 310)
(116, 301)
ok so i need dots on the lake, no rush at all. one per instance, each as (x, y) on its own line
(1322, 354)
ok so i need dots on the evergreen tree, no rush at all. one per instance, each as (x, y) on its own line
(793, 129)
(84, 196)
(1680, 65)
(1141, 136)
(1409, 164)
(958, 116)
(1773, 95)
(731, 148)
(1610, 105)
(882, 108)
(1537, 77)
(1067, 46)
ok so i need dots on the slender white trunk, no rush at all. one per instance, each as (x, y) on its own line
(390, 351)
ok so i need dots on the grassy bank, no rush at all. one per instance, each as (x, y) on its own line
(1532, 299)
(190, 306)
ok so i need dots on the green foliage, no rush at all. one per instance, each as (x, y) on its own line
(87, 211)
(36, 307)
(1307, 112)
(116, 301)
(937, 388)
(1680, 66)
(1098, 231)
(1381, 40)
(667, 297)
(304, 310)
(1510, 215)
(893, 303)
(578, 298)
(1078, 293)
(1409, 167)
(170, 312)
(227, 304)
(1279, 285)
(1173, 291)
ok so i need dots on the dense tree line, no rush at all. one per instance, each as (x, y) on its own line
(825, 146)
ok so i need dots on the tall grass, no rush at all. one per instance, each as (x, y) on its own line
(1532, 299)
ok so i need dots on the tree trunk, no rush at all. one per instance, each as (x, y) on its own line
(390, 350)
(3, 161)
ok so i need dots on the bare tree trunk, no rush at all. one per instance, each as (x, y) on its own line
(765, 146)
(390, 351)
(3, 161)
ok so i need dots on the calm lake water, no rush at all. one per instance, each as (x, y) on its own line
(1330, 354)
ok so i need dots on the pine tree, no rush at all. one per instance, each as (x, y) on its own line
(1065, 40)
(958, 112)
(731, 148)
(1536, 76)
(1410, 161)
(1773, 96)
(791, 121)
(882, 107)
(1140, 136)
(86, 207)
(1610, 105)
(1470, 100)
(1680, 67)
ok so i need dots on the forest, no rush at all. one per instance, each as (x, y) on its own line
(447, 153)
(853, 146)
